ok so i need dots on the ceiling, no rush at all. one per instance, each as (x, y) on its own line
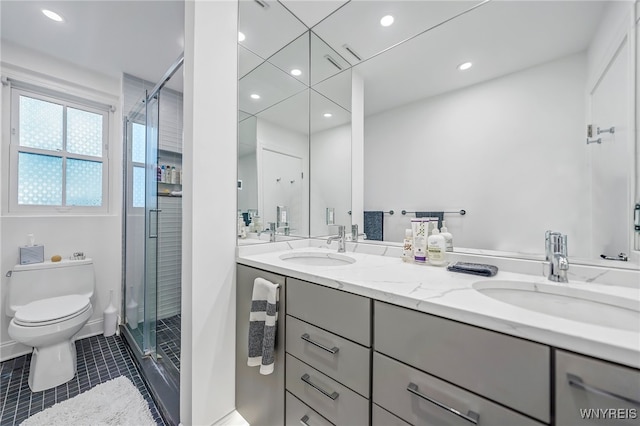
(141, 38)
(413, 59)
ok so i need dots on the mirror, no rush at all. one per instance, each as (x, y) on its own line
(506, 139)
(294, 134)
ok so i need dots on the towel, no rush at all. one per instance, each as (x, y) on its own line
(439, 215)
(474, 269)
(373, 225)
(263, 325)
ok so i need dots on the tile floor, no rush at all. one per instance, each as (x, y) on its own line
(168, 339)
(99, 359)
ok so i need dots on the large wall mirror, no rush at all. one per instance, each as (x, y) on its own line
(294, 155)
(535, 133)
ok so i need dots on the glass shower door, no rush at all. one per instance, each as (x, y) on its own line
(152, 213)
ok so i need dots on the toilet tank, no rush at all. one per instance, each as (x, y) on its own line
(49, 279)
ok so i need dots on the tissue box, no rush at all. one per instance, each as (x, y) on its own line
(31, 254)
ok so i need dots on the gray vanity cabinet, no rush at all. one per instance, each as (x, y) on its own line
(595, 392)
(259, 398)
(510, 371)
(328, 354)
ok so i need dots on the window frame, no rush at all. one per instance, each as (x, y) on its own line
(15, 149)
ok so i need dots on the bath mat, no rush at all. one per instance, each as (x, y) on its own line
(116, 402)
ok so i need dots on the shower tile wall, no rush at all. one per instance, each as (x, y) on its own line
(99, 359)
(169, 257)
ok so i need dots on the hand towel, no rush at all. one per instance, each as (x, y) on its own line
(439, 215)
(474, 269)
(373, 222)
(263, 325)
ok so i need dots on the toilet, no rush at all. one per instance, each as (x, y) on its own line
(49, 304)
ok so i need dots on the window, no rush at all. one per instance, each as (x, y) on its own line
(138, 145)
(58, 154)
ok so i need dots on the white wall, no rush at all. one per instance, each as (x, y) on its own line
(488, 149)
(207, 376)
(98, 236)
(276, 138)
(331, 181)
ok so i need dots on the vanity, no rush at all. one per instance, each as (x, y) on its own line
(374, 340)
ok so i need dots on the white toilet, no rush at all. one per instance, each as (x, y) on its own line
(50, 302)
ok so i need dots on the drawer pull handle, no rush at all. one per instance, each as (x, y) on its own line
(304, 420)
(577, 382)
(471, 416)
(333, 350)
(332, 395)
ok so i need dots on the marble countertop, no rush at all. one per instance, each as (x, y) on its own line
(380, 273)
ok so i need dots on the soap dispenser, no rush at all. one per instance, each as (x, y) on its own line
(448, 238)
(436, 247)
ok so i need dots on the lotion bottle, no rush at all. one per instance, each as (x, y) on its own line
(448, 238)
(407, 247)
(436, 247)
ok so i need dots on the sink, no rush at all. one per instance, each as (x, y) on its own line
(566, 302)
(317, 259)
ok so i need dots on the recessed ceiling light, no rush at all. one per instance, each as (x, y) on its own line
(255, 96)
(386, 20)
(328, 114)
(241, 36)
(465, 66)
(52, 15)
(296, 72)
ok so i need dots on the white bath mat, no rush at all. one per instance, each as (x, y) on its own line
(116, 402)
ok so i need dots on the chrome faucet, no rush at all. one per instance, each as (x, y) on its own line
(340, 238)
(272, 232)
(556, 255)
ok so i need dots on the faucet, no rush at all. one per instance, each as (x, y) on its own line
(355, 234)
(556, 255)
(272, 232)
(339, 238)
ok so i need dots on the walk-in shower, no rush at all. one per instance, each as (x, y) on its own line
(153, 233)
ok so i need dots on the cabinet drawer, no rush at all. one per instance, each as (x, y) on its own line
(343, 407)
(342, 313)
(508, 370)
(335, 356)
(381, 417)
(391, 382)
(585, 400)
(299, 413)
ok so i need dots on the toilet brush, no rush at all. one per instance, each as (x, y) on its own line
(110, 318)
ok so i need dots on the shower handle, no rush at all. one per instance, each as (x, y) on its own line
(156, 211)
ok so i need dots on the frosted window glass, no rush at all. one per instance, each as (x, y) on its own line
(39, 179)
(138, 187)
(84, 183)
(138, 143)
(84, 132)
(40, 124)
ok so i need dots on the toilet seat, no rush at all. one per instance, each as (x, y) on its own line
(51, 311)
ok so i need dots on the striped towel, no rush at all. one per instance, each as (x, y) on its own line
(263, 325)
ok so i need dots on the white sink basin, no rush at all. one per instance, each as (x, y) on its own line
(317, 259)
(564, 302)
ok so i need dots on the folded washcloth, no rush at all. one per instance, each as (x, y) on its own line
(473, 268)
(263, 325)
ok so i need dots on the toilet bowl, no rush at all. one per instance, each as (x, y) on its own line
(49, 326)
(50, 304)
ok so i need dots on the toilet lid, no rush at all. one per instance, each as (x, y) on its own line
(54, 309)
